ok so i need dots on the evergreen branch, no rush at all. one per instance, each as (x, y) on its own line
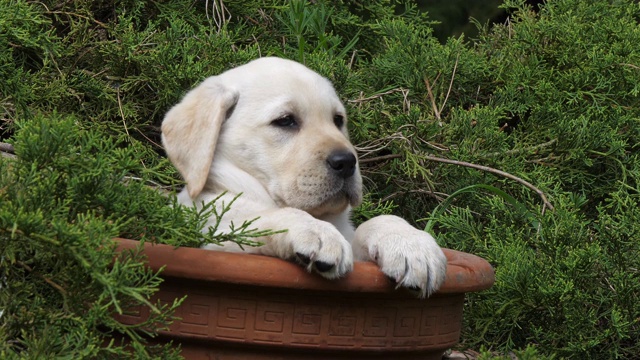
(493, 171)
(72, 14)
(434, 194)
(521, 150)
(520, 208)
(53, 284)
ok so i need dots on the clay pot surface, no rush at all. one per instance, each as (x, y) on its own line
(242, 306)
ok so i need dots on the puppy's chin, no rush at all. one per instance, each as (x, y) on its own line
(334, 205)
(321, 201)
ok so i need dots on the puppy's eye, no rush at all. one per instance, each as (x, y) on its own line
(338, 120)
(287, 121)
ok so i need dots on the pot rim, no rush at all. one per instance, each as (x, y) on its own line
(465, 272)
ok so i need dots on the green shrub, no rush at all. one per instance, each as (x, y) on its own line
(64, 199)
(60, 288)
(533, 128)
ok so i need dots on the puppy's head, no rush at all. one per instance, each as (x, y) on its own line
(274, 120)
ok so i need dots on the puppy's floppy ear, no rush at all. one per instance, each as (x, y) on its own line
(190, 131)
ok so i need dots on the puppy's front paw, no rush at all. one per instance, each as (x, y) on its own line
(319, 246)
(410, 257)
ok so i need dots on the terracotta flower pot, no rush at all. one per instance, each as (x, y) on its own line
(242, 306)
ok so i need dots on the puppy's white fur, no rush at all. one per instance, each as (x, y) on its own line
(222, 137)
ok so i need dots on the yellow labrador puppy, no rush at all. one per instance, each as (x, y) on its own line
(276, 132)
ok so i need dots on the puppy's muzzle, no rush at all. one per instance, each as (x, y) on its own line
(342, 163)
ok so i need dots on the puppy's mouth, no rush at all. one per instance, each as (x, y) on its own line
(333, 205)
(333, 199)
(350, 193)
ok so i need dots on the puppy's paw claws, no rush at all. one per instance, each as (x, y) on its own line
(409, 257)
(320, 248)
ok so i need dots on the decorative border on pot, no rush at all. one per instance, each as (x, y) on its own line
(241, 303)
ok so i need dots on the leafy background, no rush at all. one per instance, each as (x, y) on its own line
(548, 96)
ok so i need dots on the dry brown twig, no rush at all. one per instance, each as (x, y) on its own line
(437, 111)
(219, 13)
(374, 146)
(46, 279)
(124, 122)
(494, 171)
(631, 66)
(380, 158)
(406, 103)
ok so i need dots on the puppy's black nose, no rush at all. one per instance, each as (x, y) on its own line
(343, 163)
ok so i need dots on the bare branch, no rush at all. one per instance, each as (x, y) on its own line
(46, 279)
(494, 171)
(124, 121)
(436, 112)
(631, 66)
(453, 75)
(405, 93)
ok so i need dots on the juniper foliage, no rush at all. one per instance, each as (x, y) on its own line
(63, 200)
(549, 97)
